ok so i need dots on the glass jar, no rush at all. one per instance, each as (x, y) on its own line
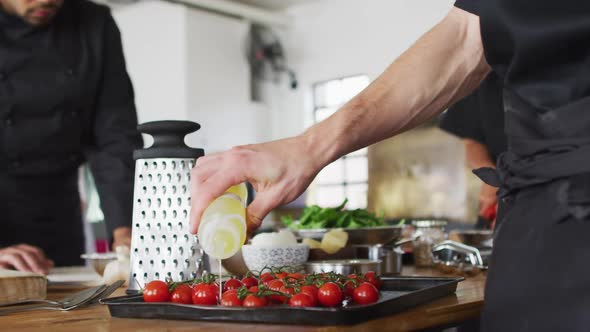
(430, 233)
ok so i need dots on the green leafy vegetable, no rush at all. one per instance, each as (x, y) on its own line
(335, 217)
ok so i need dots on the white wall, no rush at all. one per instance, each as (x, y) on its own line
(219, 83)
(187, 64)
(335, 38)
(153, 35)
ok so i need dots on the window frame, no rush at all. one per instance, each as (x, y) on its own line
(344, 184)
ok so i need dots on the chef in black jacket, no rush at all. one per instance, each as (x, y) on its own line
(65, 99)
(539, 278)
(479, 120)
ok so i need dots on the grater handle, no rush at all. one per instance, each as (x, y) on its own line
(168, 133)
(168, 139)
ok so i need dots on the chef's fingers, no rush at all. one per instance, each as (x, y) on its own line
(14, 259)
(36, 265)
(37, 252)
(211, 158)
(258, 209)
(206, 186)
(38, 255)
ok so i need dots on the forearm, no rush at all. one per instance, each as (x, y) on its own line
(440, 68)
(477, 155)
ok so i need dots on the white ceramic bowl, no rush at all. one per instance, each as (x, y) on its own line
(258, 257)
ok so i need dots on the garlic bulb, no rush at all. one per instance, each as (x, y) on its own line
(118, 269)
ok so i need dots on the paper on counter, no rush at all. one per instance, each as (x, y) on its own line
(73, 276)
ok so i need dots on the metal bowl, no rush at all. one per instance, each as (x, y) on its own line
(345, 266)
(429, 223)
(99, 261)
(364, 235)
(474, 238)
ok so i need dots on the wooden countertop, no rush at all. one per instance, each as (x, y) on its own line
(465, 304)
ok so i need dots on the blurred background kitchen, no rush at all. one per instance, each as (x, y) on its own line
(255, 70)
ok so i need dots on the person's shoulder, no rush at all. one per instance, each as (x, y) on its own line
(91, 10)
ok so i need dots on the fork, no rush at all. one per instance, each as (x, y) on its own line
(69, 303)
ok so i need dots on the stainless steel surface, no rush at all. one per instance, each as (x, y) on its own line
(390, 257)
(451, 256)
(365, 235)
(71, 302)
(346, 266)
(162, 246)
(108, 291)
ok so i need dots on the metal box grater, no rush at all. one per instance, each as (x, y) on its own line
(161, 244)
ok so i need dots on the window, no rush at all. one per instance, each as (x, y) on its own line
(348, 176)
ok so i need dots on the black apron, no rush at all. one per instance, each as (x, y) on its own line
(42, 126)
(44, 212)
(539, 278)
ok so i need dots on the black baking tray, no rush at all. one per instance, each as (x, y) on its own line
(397, 294)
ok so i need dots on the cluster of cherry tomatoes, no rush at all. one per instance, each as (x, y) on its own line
(269, 288)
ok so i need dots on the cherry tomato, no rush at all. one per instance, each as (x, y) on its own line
(182, 294)
(301, 300)
(276, 285)
(330, 295)
(311, 291)
(266, 277)
(250, 282)
(296, 276)
(373, 279)
(281, 275)
(232, 284)
(156, 291)
(206, 294)
(349, 287)
(230, 299)
(254, 301)
(355, 277)
(253, 289)
(365, 293)
(287, 290)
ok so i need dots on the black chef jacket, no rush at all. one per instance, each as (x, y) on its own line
(65, 98)
(538, 278)
(480, 117)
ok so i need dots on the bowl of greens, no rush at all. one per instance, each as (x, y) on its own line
(362, 226)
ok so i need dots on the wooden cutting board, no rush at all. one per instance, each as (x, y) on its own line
(19, 286)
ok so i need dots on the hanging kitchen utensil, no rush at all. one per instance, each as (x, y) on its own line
(162, 246)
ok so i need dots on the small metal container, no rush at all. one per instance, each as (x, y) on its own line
(345, 266)
(390, 257)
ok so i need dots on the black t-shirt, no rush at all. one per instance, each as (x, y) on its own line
(479, 116)
(539, 49)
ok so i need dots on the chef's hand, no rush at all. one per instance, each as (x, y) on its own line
(487, 198)
(279, 171)
(121, 237)
(24, 257)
